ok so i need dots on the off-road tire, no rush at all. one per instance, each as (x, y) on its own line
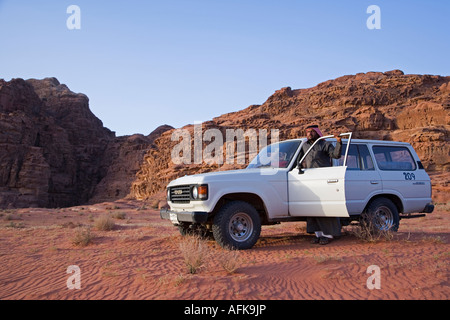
(384, 211)
(237, 225)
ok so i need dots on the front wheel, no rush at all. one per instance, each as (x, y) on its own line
(237, 225)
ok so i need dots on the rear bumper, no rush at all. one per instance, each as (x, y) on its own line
(183, 216)
(429, 208)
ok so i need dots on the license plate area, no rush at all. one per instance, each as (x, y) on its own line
(173, 217)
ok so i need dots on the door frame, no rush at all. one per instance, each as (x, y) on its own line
(349, 134)
(327, 181)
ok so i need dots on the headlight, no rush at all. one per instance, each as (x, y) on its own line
(168, 194)
(199, 192)
(195, 193)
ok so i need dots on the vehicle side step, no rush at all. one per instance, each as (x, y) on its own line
(412, 216)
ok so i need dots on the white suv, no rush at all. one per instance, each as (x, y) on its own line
(382, 179)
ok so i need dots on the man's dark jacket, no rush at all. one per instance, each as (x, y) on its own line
(320, 155)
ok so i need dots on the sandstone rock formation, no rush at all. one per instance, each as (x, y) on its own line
(373, 105)
(54, 152)
(125, 155)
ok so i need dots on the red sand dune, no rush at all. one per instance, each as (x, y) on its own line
(141, 259)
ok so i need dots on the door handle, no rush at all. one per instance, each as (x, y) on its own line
(374, 182)
(333, 181)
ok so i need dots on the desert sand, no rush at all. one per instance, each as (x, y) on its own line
(141, 259)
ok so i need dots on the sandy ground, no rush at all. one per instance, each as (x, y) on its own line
(141, 259)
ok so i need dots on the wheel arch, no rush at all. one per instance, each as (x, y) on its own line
(394, 198)
(251, 198)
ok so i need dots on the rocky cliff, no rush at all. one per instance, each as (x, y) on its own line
(373, 105)
(123, 161)
(54, 152)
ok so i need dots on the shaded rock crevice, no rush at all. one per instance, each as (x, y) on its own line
(54, 152)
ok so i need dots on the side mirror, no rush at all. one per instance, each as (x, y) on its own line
(300, 169)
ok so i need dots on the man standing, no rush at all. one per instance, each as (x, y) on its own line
(323, 151)
(321, 155)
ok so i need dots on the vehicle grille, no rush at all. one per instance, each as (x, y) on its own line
(180, 194)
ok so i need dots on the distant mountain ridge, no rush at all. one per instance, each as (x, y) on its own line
(54, 152)
(373, 105)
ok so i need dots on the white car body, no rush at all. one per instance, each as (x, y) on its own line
(282, 194)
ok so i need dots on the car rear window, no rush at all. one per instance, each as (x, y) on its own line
(392, 158)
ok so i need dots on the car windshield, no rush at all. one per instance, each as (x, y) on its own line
(277, 155)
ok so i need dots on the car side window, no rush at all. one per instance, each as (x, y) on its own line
(358, 158)
(366, 158)
(352, 158)
(392, 158)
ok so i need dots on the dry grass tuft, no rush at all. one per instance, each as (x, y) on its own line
(444, 206)
(119, 215)
(368, 231)
(229, 260)
(83, 237)
(104, 223)
(195, 253)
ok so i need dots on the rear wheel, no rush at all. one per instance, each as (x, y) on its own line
(382, 215)
(237, 225)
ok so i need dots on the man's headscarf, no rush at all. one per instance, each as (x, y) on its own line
(315, 127)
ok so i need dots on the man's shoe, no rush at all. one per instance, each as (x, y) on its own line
(324, 240)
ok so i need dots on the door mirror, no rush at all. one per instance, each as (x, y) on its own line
(300, 169)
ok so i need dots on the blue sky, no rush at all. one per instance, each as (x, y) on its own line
(147, 63)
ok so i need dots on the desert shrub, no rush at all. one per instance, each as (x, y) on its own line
(155, 204)
(368, 231)
(119, 215)
(444, 206)
(228, 259)
(104, 223)
(195, 253)
(82, 237)
(10, 216)
(14, 225)
(70, 225)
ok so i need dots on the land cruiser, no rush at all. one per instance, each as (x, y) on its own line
(382, 179)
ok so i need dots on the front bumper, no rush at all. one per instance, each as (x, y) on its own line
(183, 216)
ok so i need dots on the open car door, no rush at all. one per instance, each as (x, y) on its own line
(318, 192)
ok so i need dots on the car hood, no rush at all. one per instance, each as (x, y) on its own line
(231, 175)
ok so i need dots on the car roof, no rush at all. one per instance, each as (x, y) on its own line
(384, 142)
